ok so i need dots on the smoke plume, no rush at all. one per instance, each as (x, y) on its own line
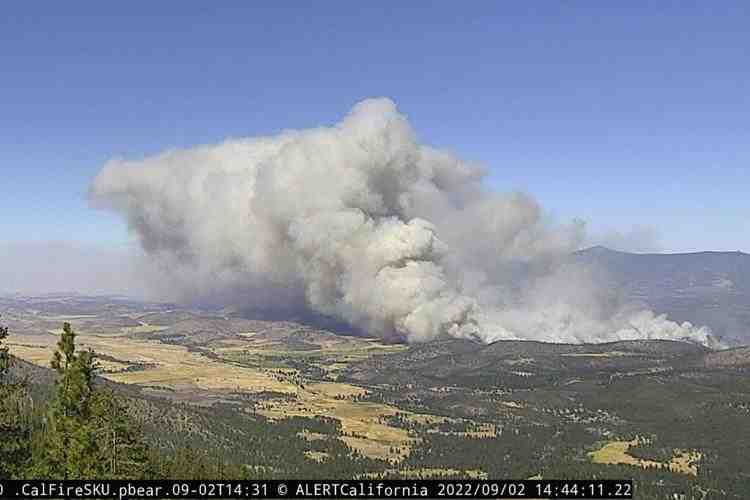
(361, 222)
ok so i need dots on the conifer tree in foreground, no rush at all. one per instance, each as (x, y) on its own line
(88, 432)
(122, 451)
(14, 427)
(69, 449)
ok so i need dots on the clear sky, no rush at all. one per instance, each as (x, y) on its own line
(629, 115)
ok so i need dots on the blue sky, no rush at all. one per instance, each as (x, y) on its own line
(635, 115)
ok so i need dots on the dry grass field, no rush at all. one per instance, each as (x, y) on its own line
(361, 422)
(318, 456)
(616, 452)
(193, 376)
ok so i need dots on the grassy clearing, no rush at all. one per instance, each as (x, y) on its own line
(144, 328)
(481, 430)
(377, 449)
(37, 354)
(312, 436)
(360, 421)
(427, 420)
(318, 456)
(336, 390)
(110, 366)
(616, 452)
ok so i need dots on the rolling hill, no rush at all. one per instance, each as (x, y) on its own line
(704, 288)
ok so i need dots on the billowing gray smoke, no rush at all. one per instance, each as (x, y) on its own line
(362, 223)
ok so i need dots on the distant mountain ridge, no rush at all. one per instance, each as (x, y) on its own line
(704, 288)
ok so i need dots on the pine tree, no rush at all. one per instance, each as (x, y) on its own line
(70, 449)
(4, 356)
(89, 433)
(14, 423)
(122, 451)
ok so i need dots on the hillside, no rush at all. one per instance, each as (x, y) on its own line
(704, 288)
